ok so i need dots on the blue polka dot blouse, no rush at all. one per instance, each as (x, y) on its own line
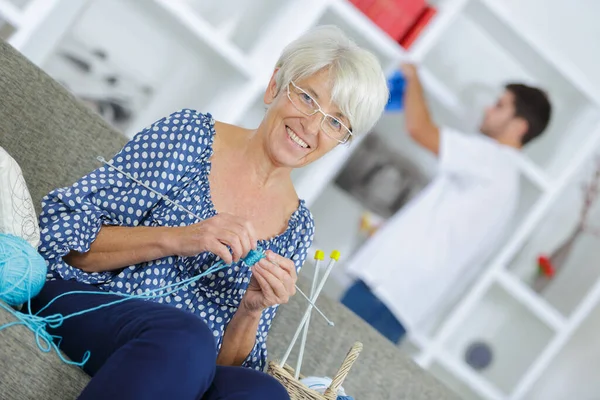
(173, 157)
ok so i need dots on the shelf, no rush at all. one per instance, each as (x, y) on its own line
(577, 272)
(160, 66)
(238, 21)
(456, 317)
(572, 373)
(476, 385)
(311, 180)
(20, 4)
(471, 69)
(257, 15)
(575, 110)
(452, 382)
(514, 335)
(10, 13)
(337, 227)
(365, 32)
(475, 71)
(558, 146)
(536, 48)
(529, 195)
(528, 298)
(392, 129)
(44, 23)
(184, 15)
(447, 12)
(412, 346)
(444, 95)
(534, 174)
(258, 30)
(291, 19)
(546, 357)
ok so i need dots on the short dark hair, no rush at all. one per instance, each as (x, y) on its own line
(531, 104)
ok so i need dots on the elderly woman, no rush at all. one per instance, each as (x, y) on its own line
(107, 232)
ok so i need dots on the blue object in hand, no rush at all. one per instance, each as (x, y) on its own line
(396, 86)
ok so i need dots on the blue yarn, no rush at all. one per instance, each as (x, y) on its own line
(320, 385)
(22, 270)
(45, 341)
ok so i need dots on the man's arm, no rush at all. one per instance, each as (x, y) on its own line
(418, 121)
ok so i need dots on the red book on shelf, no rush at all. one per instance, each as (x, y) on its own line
(394, 17)
(413, 33)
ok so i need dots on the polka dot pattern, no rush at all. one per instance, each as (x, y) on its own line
(173, 157)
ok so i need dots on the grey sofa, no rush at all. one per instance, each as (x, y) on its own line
(55, 139)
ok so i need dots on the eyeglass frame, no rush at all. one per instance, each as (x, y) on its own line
(320, 110)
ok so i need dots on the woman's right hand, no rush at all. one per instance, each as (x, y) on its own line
(214, 235)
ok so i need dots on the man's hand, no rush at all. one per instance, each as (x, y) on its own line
(409, 71)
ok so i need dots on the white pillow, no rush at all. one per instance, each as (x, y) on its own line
(17, 213)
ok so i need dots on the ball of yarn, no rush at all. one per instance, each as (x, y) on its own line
(22, 270)
(320, 385)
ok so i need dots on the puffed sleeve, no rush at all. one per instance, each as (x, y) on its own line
(158, 156)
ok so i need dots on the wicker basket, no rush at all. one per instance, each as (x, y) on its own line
(299, 391)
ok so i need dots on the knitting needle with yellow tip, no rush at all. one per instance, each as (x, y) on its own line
(335, 256)
(319, 256)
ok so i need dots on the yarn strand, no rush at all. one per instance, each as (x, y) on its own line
(46, 342)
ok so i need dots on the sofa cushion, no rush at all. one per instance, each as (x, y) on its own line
(17, 213)
(26, 373)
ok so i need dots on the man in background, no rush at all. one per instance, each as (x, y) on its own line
(424, 256)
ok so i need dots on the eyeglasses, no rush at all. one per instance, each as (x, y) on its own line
(330, 125)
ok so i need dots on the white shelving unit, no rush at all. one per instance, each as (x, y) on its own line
(217, 56)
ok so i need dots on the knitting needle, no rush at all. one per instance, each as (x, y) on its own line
(168, 200)
(160, 195)
(319, 256)
(312, 304)
(335, 256)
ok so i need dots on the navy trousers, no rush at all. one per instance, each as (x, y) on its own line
(366, 305)
(145, 350)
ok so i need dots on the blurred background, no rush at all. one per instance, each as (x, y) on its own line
(533, 308)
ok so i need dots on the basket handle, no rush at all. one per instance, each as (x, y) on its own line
(331, 392)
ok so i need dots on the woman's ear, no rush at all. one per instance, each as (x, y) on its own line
(272, 90)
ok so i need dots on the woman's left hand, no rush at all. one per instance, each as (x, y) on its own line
(273, 282)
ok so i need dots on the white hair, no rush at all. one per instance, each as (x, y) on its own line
(359, 84)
